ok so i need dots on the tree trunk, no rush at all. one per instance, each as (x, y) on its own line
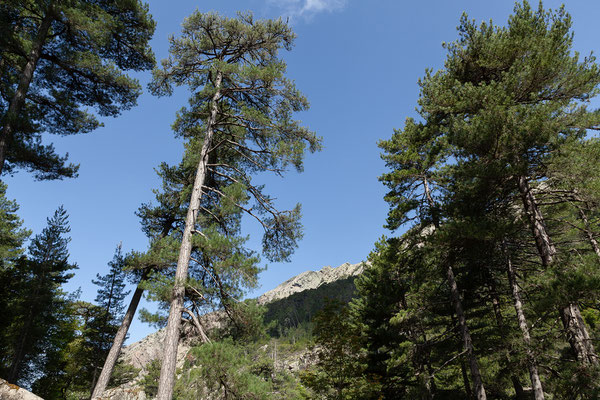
(536, 383)
(18, 99)
(466, 336)
(575, 329)
(167, 371)
(465, 377)
(519, 393)
(588, 232)
(115, 350)
(198, 325)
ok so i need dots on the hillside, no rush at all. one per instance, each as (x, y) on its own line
(290, 305)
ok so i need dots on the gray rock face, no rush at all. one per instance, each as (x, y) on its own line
(8, 391)
(311, 280)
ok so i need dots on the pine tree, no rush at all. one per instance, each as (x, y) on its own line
(509, 98)
(57, 59)
(158, 221)
(418, 155)
(242, 104)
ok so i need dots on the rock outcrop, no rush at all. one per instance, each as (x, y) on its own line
(311, 280)
(8, 391)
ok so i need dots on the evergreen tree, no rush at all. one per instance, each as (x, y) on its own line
(510, 98)
(40, 312)
(241, 104)
(102, 327)
(12, 237)
(340, 370)
(489, 168)
(56, 60)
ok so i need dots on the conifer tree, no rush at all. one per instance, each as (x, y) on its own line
(43, 273)
(56, 60)
(241, 103)
(509, 98)
(417, 155)
(101, 329)
(12, 237)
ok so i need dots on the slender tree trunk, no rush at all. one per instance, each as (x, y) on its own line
(465, 377)
(466, 336)
(115, 350)
(198, 325)
(18, 99)
(167, 371)
(536, 383)
(575, 329)
(520, 394)
(588, 232)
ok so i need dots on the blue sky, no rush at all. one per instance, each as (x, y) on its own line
(357, 62)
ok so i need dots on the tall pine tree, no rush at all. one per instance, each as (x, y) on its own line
(241, 103)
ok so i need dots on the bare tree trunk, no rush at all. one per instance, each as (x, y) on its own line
(18, 99)
(466, 336)
(536, 383)
(198, 325)
(575, 329)
(167, 371)
(588, 232)
(115, 350)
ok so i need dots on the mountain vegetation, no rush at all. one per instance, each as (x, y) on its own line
(487, 286)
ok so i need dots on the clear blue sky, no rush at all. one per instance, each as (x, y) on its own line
(358, 63)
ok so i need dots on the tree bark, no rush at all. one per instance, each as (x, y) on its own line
(18, 99)
(575, 329)
(588, 232)
(466, 336)
(536, 383)
(115, 350)
(167, 372)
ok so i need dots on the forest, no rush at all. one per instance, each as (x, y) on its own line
(486, 284)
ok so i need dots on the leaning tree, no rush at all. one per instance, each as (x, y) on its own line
(241, 106)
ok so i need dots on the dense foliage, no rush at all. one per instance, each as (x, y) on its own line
(57, 59)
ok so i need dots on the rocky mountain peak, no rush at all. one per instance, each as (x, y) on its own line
(311, 280)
